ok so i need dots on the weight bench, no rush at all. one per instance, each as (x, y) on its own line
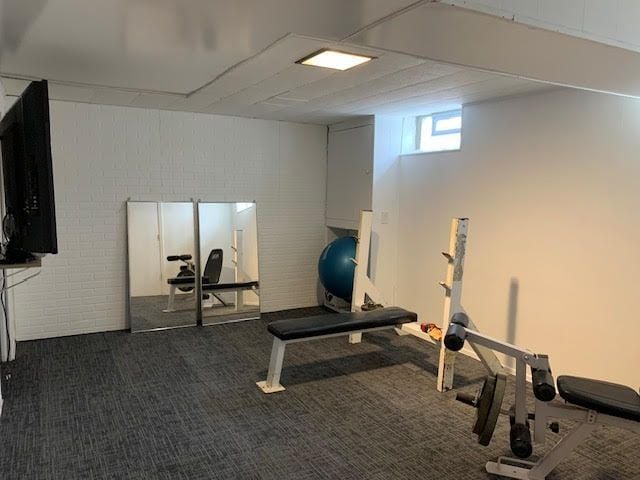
(213, 288)
(589, 402)
(325, 326)
(210, 280)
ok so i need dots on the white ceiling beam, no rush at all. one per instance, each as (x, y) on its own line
(468, 38)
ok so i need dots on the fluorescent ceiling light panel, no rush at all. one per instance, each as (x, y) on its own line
(334, 59)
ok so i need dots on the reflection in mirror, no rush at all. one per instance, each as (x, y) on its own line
(162, 290)
(229, 262)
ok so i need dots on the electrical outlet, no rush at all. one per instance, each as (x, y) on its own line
(384, 218)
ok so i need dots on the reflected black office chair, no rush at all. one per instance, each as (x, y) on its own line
(212, 270)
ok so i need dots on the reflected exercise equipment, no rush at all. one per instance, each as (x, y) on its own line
(189, 261)
(161, 247)
(188, 269)
(229, 243)
(185, 281)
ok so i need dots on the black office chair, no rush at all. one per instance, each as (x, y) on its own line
(212, 271)
(185, 280)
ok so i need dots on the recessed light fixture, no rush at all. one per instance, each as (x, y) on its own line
(334, 59)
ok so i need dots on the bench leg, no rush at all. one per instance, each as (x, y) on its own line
(355, 337)
(523, 470)
(272, 384)
(172, 298)
(224, 304)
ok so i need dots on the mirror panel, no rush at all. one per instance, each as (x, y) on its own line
(229, 262)
(161, 256)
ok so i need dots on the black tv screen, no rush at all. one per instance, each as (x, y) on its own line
(30, 221)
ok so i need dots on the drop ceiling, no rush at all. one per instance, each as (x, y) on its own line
(229, 58)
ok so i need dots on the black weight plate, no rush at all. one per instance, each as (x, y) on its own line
(484, 403)
(186, 272)
(494, 412)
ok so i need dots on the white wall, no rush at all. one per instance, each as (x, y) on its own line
(144, 252)
(245, 220)
(385, 201)
(104, 155)
(550, 182)
(614, 22)
(176, 232)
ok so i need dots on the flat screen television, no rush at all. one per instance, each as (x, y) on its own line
(29, 223)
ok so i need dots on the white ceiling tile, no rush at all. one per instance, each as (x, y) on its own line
(448, 99)
(394, 87)
(268, 63)
(283, 101)
(386, 64)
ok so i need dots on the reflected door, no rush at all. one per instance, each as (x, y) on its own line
(162, 265)
(228, 238)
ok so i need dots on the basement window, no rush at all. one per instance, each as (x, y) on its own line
(439, 132)
(242, 206)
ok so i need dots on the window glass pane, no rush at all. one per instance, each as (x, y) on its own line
(451, 123)
(445, 136)
(241, 206)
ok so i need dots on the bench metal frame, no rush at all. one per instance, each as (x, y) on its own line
(272, 383)
(172, 294)
(363, 289)
(588, 419)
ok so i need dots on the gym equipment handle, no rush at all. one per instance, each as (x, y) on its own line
(520, 438)
(544, 387)
(467, 399)
(456, 333)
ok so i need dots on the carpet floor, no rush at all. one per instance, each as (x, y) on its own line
(182, 404)
(147, 313)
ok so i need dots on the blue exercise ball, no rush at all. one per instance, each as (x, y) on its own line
(336, 267)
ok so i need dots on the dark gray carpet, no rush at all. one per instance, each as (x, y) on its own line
(182, 404)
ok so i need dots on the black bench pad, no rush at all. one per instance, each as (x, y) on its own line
(604, 397)
(190, 281)
(307, 327)
(230, 286)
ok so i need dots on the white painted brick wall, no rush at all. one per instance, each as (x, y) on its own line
(103, 155)
(614, 22)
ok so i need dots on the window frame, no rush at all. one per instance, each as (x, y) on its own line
(435, 117)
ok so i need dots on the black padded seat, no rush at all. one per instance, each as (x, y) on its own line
(307, 327)
(211, 287)
(603, 397)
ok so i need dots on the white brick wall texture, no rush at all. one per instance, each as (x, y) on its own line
(103, 155)
(614, 22)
